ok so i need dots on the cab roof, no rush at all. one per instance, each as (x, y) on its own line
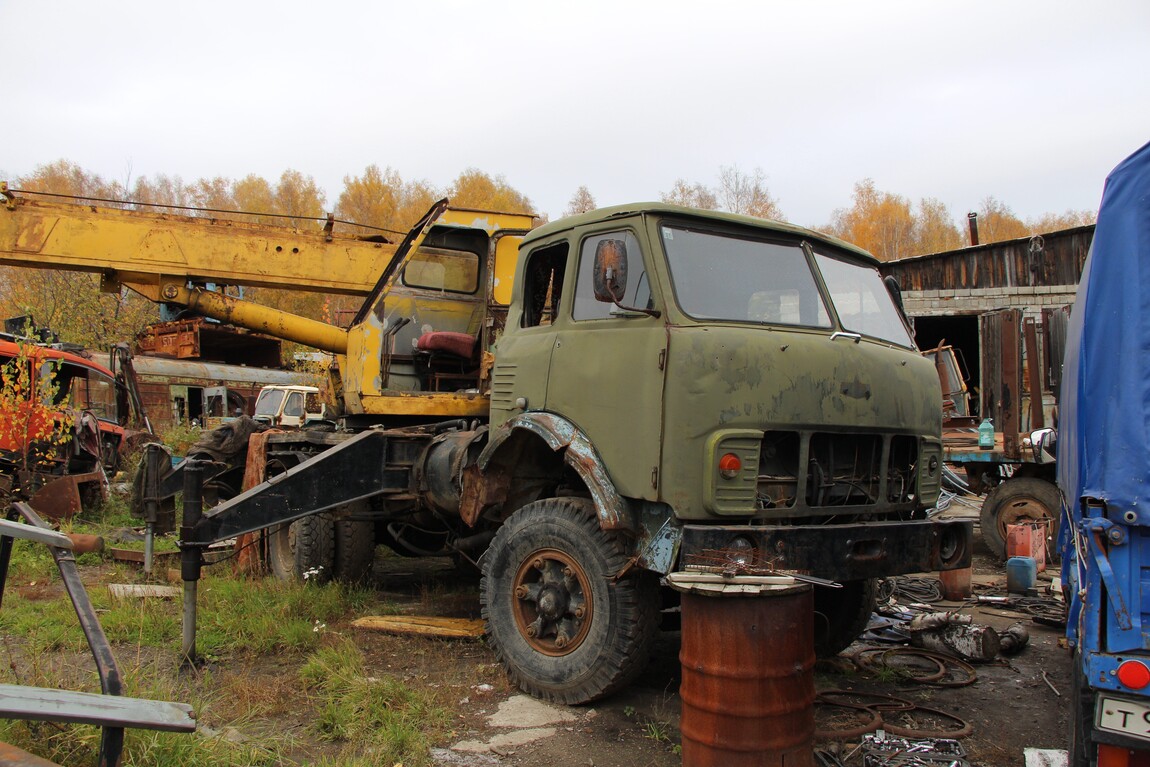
(662, 209)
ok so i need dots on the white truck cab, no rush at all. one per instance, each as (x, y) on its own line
(289, 406)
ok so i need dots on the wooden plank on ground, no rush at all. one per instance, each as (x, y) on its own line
(143, 591)
(421, 625)
(19, 701)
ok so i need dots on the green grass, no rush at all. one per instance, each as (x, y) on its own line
(366, 721)
(235, 613)
(243, 622)
(392, 722)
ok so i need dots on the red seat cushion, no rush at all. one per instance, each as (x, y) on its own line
(459, 344)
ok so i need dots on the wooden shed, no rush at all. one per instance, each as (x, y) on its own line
(1003, 306)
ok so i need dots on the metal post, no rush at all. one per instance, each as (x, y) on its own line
(156, 462)
(191, 555)
(149, 546)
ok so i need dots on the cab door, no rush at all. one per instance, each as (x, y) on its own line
(520, 376)
(608, 361)
(293, 412)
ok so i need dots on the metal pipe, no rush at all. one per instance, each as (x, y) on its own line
(149, 546)
(263, 319)
(191, 556)
(972, 222)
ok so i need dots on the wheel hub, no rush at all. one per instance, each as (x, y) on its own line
(552, 602)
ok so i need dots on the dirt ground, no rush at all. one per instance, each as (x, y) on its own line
(1016, 702)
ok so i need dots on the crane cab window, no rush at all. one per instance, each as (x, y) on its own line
(451, 271)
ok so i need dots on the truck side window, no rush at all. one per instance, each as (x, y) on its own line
(543, 285)
(638, 289)
(102, 396)
(294, 406)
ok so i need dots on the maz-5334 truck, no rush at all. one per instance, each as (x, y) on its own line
(657, 388)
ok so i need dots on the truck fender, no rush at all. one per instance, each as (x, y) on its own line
(559, 434)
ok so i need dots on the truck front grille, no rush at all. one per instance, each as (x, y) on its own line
(821, 470)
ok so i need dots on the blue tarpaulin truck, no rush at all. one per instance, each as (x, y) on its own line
(1104, 476)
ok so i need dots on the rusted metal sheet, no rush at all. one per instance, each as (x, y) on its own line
(1010, 264)
(197, 338)
(1054, 324)
(10, 756)
(61, 497)
(1033, 373)
(748, 679)
(1001, 341)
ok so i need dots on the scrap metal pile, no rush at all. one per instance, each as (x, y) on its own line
(911, 641)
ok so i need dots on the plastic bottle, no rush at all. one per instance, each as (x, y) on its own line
(986, 435)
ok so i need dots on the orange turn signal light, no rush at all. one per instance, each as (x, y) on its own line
(730, 465)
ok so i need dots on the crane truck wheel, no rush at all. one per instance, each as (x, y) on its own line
(303, 550)
(1018, 499)
(562, 626)
(354, 550)
(841, 615)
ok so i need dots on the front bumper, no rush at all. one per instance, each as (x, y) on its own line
(836, 552)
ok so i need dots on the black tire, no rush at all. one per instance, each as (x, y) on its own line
(303, 550)
(1019, 499)
(354, 550)
(841, 615)
(562, 627)
(1082, 751)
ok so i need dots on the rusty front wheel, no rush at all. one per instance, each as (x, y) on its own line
(564, 628)
(554, 604)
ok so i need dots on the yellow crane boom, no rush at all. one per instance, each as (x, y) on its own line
(464, 272)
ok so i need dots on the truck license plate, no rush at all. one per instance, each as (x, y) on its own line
(1124, 716)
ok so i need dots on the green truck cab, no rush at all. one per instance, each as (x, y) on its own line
(684, 389)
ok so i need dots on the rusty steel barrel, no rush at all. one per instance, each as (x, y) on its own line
(748, 682)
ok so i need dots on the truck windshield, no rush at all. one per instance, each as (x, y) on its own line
(740, 279)
(268, 403)
(862, 301)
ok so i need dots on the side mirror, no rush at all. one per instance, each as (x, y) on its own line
(610, 274)
(895, 291)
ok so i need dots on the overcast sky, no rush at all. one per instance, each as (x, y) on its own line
(1029, 102)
